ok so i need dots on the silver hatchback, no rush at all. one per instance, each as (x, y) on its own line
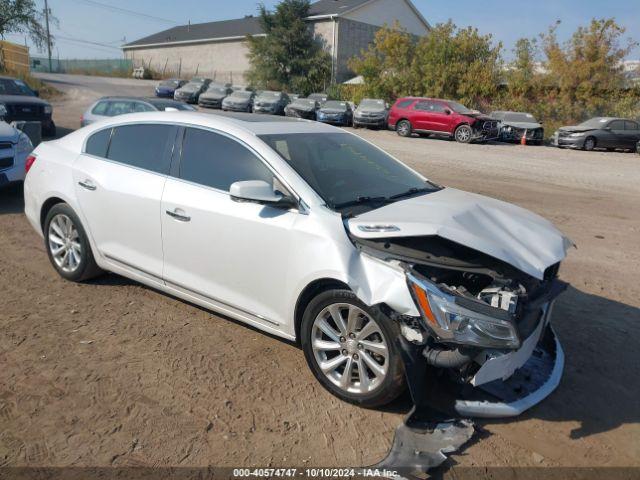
(112, 106)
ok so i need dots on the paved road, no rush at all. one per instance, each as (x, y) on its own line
(165, 383)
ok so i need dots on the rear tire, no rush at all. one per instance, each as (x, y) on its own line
(366, 346)
(404, 128)
(68, 246)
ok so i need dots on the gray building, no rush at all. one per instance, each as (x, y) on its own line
(219, 49)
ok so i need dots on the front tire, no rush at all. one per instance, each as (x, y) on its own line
(463, 134)
(351, 349)
(589, 144)
(68, 246)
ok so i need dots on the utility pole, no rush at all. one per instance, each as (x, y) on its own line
(46, 17)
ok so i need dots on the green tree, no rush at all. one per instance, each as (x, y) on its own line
(587, 69)
(289, 57)
(21, 16)
(522, 74)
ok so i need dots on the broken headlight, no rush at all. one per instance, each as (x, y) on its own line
(462, 321)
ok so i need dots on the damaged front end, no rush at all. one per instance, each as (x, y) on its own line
(484, 129)
(483, 333)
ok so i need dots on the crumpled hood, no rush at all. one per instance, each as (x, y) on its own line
(8, 133)
(576, 128)
(499, 229)
(522, 125)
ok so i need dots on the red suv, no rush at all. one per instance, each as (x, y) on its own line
(441, 117)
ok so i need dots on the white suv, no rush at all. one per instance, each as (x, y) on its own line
(15, 148)
(313, 234)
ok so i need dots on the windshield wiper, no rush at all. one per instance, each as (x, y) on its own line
(410, 192)
(361, 201)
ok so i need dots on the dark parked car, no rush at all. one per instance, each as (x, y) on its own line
(270, 102)
(112, 106)
(600, 132)
(302, 108)
(371, 113)
(239, 101)
(19, 102)
(167, 88)
(190, 92)
(513, 126)
(320, 97)
(214, 96)
(433, 116)
(336, 113)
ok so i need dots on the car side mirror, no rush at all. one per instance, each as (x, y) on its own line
(447, 111)
(259, 191)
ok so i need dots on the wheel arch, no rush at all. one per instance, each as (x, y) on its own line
(47, 206)
(309, 293)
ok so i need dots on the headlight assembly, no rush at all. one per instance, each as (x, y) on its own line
(24, 144)
(3, 110)
(461, 321)
(577, 134)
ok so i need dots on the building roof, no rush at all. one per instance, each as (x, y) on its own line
(233, 29)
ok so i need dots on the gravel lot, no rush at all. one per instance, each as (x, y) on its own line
(114, 373)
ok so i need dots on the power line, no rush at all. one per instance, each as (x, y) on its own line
(126, 11)
(80, 40)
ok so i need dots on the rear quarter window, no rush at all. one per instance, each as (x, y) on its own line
(404, 103)
(98, 143)
(100, 108)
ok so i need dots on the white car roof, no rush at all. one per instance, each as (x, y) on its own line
(232, 123)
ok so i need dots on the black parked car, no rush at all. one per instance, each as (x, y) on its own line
(190, 92)
(336, 113)
(270, 102)
(302, 108)
(214, 96)
(371, 113)
(239, 101)
(600, 132)
(512, 126)
(19, 102)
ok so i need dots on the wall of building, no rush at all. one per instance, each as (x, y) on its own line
(387, 12)
(353, 38)
(223, 61)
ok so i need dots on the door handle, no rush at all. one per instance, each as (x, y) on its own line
(88, 184)
(179, 215)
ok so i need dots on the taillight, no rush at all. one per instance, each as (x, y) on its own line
(29, 163)
(81, 119)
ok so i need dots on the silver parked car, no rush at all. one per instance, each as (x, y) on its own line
(371, 113)
(214, 96)
(239, 101)
(112, 106)
(191, 91)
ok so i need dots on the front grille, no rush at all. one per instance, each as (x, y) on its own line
(490, 125)
(24, 111)
(6, 163)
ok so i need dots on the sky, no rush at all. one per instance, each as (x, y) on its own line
(88, 30)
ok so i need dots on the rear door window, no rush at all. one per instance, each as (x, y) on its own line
(119, 107)
(217, 161)
(142, 107)
(142, 146)
(617, 125)
(629, 125)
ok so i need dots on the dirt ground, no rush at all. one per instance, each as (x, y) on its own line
(114, 373)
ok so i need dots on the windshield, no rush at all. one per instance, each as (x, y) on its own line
(170, 83)
(220, 90)
(335, 105)
(597, 122)
(14, 87)
(241, 94)
(301, 102)
(459, 108)
(350, 174)
(519, 117)
(372, 104)
(269, 95)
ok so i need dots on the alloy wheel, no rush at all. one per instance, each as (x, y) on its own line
(404, 128)
(64, 243)
(350, 348)
(463, 134)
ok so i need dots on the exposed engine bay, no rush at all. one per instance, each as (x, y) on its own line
(473, 306)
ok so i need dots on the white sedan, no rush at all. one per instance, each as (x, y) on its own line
(315, 235)
(15, 148)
